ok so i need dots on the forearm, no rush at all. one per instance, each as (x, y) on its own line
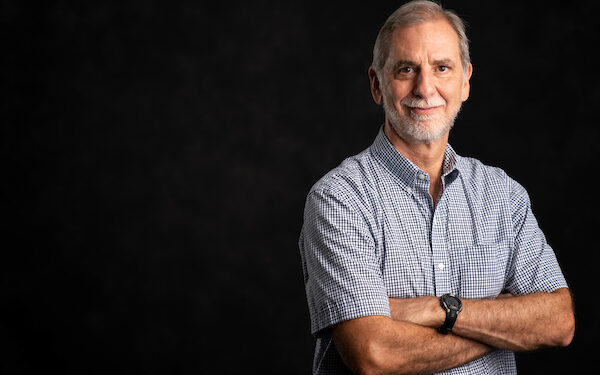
(519, 323)
(427, 351)
(387, 346)
(515, 323)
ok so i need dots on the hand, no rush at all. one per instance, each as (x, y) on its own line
(425, 311)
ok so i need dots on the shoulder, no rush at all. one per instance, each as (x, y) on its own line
(354, 177)
(491, 181)
(473, 170)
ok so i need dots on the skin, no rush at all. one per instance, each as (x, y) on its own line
(514, 323)
(424, 63)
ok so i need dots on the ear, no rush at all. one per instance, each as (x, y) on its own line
(375, 86)
(466, 89)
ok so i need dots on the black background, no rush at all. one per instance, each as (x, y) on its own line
(156, 158)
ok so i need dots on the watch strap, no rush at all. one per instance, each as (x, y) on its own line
(452, 305)
(451, 316)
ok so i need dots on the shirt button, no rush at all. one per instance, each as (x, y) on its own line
(434, 220)
(421, 176)
(408, 189)
(440, 266)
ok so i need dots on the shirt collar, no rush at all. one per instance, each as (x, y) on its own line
(404, 169)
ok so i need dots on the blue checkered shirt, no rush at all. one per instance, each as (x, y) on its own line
(371, 232)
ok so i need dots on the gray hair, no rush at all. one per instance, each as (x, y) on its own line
(413, 13)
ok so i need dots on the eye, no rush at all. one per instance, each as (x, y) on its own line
(405, 70)
(443, 68)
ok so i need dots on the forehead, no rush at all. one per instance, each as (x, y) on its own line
(428, 40)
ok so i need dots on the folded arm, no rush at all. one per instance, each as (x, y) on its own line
(409, 343)
(517, 323)
(380, 345)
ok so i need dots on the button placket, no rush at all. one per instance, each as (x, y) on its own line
(440, 257)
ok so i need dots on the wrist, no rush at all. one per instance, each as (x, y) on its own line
(437, 315)
(452, 306)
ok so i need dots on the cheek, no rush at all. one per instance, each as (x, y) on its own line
(396, 94)
(398, 89)
(452, 95)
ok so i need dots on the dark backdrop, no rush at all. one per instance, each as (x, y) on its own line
(156, 158)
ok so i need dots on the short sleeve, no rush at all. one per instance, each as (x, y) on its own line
(533, 267)
(342, 274)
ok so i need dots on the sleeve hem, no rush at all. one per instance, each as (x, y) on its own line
(328, 319)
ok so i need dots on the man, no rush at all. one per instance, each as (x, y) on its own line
(401, 236)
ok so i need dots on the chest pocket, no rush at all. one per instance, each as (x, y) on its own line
(479, 270)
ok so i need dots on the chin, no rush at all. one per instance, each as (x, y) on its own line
(415, 128)
(421, 131)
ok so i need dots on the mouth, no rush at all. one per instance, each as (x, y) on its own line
(424, 110)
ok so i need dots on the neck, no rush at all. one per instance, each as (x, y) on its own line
(429, 156)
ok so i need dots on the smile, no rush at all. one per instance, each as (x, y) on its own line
(423, 111)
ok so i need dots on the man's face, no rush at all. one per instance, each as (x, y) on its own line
(423, 81)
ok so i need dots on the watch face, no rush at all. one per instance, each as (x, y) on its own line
(453, 303)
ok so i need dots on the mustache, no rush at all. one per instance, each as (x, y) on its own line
(423, 103)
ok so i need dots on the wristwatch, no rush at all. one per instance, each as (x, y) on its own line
(452, 305)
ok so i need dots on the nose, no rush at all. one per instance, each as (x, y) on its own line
(424, 84)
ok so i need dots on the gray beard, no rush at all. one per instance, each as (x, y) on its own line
(412, 129)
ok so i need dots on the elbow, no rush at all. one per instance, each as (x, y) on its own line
(366, 347)
(567, 331)
(564, 323)
(563, 329)
(560, 335)
(370, 361)
(566, 341)
(375, 361)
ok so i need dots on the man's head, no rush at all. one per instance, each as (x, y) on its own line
(421, 70)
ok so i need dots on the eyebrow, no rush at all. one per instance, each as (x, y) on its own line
(401, 63)
(443, 62)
